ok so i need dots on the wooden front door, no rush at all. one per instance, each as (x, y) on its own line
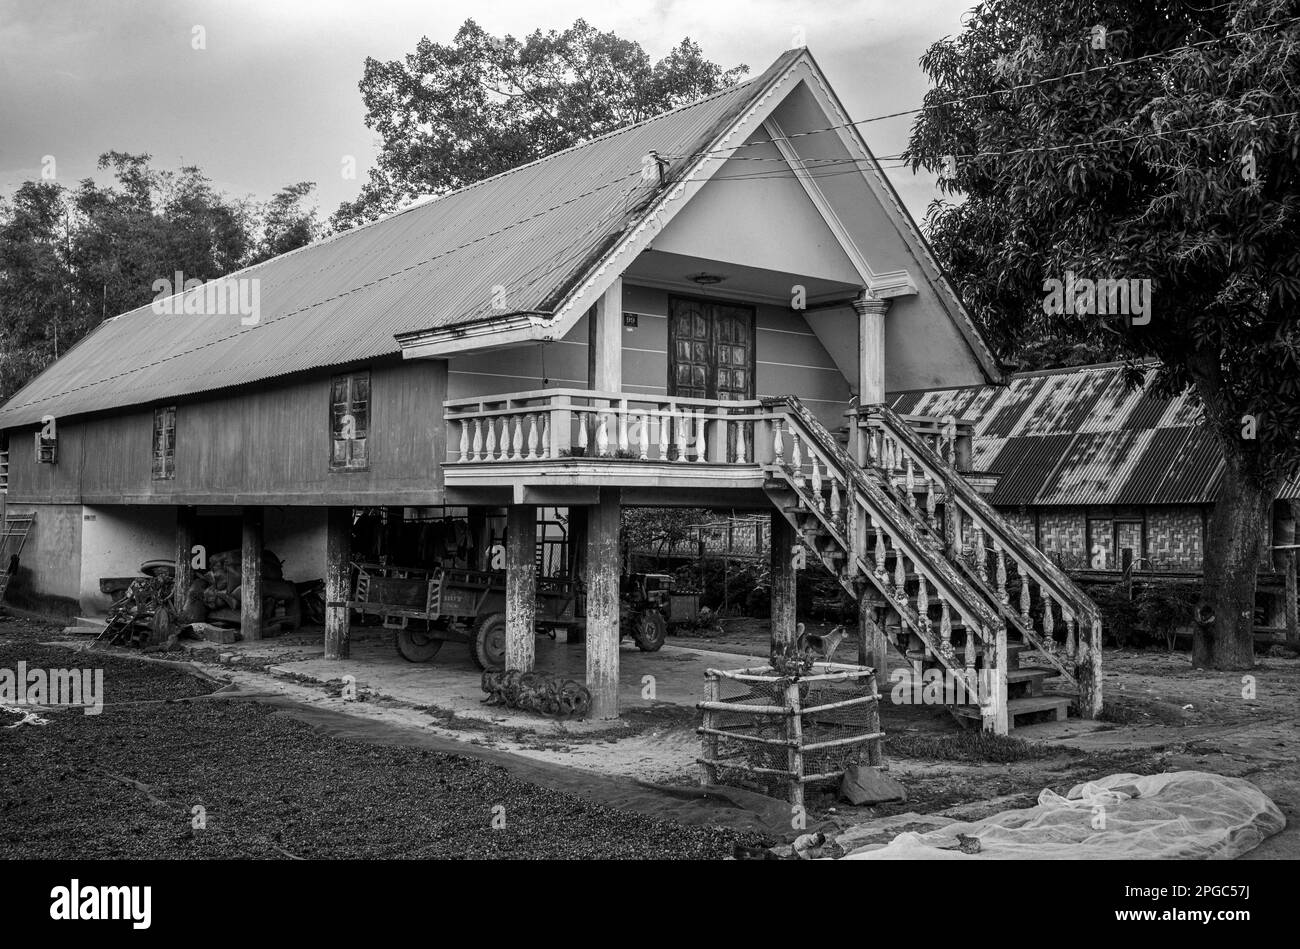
(710, 349)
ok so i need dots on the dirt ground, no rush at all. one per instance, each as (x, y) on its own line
(1161, 716)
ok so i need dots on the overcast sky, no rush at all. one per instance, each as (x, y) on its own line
(273, 98)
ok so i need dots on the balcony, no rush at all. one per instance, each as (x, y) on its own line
(557, 446)
(574, 440)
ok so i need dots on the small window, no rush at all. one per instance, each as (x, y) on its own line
(349, 421)
(164, 443)
(47, 444)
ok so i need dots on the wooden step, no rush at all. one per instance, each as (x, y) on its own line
(1022, 707)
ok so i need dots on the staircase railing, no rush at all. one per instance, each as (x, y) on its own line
(1009, 568)
(853, 509)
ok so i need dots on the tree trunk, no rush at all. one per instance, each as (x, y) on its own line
(1224, 637)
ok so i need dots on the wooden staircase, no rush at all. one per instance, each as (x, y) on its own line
(955, 588)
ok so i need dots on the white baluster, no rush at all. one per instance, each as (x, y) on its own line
(518, 443)
(681, 436)
(835, 500)
(817, 484)
(491, 446)
(532, 436)
(911, 483)
(582, 432)
(1071, 644)
(664, 424)
(602, 435)
(778, 443)
(977, 551)
(546, 434)
(796, 458)
(1024, 600)
(923, 601)
(900, 575)
(701, 445)
(945, 629)
(742, 451)
(1049, 623)
(1002, 572)
(643, 435)
(478, 439)
(464, 439)
(880, 553)
(622, 429)
(930, 502)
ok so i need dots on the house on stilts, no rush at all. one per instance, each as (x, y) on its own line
(710, 308)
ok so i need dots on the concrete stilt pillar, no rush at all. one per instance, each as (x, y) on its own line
(602, 604)
(521, 586)
(250, 618)
(784, 576)
(338, 581)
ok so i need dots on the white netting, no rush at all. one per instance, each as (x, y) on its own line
(1184, 815)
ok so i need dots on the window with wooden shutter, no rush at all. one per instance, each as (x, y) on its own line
(349, 421)
(164, 443)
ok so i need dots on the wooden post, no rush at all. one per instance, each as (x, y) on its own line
(250, 613)
(993, 704)
(1087, 672)
(605, 341)
(709, 742)
(784, 582)
(873, 645)
(1289, 573)
(602, 604)
(338, 580)
(185, 517)
(1292, 626)
(521, 586)
(794, 754)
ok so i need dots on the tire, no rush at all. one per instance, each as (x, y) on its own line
(649, 630)
(488, 647)
(416, 646)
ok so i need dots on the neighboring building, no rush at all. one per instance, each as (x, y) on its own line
(613, 325)
(1096, 474)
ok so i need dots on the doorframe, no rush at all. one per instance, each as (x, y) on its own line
(752, 364)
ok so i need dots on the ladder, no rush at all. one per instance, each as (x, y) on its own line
(12, 538)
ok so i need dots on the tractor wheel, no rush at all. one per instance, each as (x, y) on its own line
(649, 630)
(417, 646)
(489, 644)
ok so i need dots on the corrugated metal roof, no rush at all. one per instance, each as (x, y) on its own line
(433, 265)
(1081, 437)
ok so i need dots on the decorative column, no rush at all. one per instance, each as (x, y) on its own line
(605, 341)
(871, 312)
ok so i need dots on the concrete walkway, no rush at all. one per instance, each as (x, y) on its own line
(673, 676)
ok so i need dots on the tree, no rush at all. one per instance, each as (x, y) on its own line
(71, 258)
(287, 223)
(450, 115)
(1179, 169)
(33, 280)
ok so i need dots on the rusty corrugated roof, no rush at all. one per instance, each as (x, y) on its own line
(1078, 437)
(530, 231)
